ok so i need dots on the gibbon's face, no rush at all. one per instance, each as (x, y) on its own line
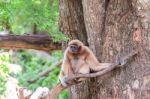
(75, 46)
(74, 49)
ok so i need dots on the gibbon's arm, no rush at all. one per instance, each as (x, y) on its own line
(66, 70)
(94, 63)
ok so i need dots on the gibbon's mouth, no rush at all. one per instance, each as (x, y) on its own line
(75, 52)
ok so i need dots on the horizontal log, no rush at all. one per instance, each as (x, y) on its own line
(37, 42)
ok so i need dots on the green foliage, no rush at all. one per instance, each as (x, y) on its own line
(33, 64)
(22, 15)
(4, 71)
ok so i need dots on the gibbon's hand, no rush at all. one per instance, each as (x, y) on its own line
(63, 81)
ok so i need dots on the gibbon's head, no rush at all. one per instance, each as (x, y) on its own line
(75, 46)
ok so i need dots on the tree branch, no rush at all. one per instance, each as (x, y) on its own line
(38, 42)
(58, 88)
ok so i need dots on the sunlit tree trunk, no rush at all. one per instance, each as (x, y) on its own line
(111, 28)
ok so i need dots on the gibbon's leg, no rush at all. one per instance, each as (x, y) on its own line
(84, 69)
(101, 66)
(94, 63)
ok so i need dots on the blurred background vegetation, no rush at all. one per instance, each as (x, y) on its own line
(29, 17)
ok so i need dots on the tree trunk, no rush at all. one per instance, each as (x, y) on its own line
(71, 19)
(111, 28)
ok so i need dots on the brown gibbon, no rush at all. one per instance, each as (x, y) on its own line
(78, 58)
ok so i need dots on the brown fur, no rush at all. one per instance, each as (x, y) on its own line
(81, 62)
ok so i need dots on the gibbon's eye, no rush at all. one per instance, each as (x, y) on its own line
(74, 49)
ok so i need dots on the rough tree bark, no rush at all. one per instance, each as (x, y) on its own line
(111, 28)
(71, 19)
